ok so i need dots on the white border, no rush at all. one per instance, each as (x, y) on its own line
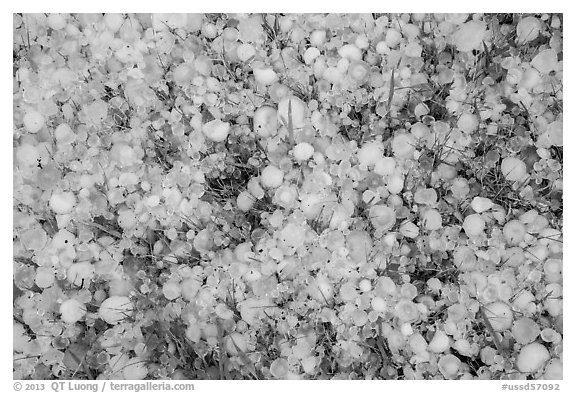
(301, 6)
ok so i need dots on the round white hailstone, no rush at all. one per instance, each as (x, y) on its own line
(322, 290)
(379, 304)
(171, 290)
(332, 75)
(528, 29)
(467, 122)
(413, 49)
(553, 270)
(395, 184)
(183, 74)
(480, 205)
(362, 41)
(245, 201)
(403, 145)
(462, 346)
(265, 76)
(245, 52)
(27, 155)
(370, 153)
(309, 364)
(449, 366)
(500, 315)
(123, 154)
(63, 133)
(318, 37)
(297, 108)
(72, 311)
(359, 244)
(393, 38)
(286, 196)
(62, 239)
(127, 219)
(234, 342)
(382, 48)
(417, 343)
(279, 368)
(410, 230)
(115, 309)
(33, 121)
(546, 61)
(243, 252)
(513, 169)
(439, 343)
(216, 130)
(265, 121)
(514, 232)
(555, 134)
(152, 201)
(385, 166)
(359, 317)
(310, 55)
(525, 330)
(432, 220)
(382, 217)
(532, 357)
(470, 35)
(193, 333)
(189, 288)
(135, 369)
(209, 30)
(420, 110)
(359, 71)
(62, 203)
(365, 285)
(272, 177)
(45, 277)
(203, 241)
(113, 21)
(350, 52)
(554, 370)
(420, 131)
(473, 225)
(56, 21)
(303, 151)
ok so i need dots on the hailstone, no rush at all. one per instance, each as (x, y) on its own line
(216, 130)
(546, 61)
(245, 201)
(115, 309)
(297, 110)
(370, 153)
(473, 225)
(499, 315)
(532, 357)
(33, 121)
(265, 76)
(303, 151)
(72, 311)
(513, 169)
(527, 29)
(272, 177)
(62, 203)
(265, 121)
(245, 52)
(470, 35)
